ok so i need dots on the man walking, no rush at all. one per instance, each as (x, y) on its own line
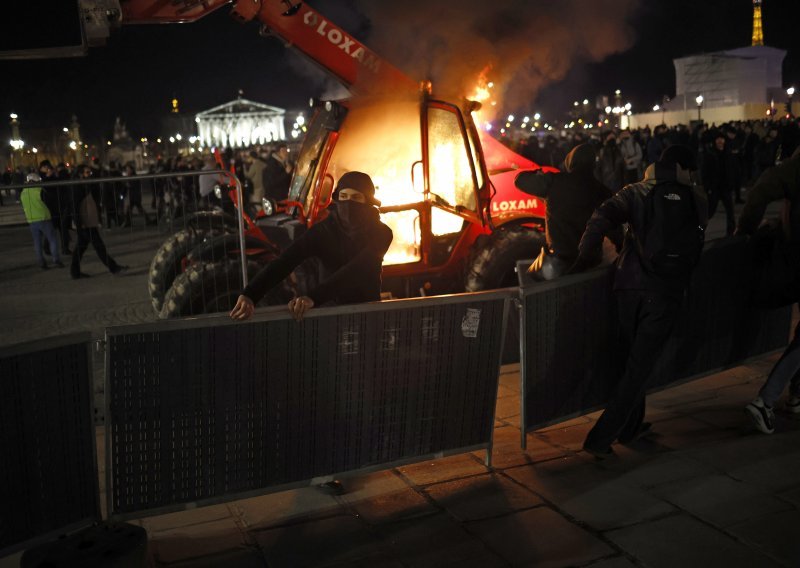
(40, 221)
(666, 219)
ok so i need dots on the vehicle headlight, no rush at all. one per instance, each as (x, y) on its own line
(218, 191)
(267, 206)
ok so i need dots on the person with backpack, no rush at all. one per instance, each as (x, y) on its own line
(666, 216)
(779, 183)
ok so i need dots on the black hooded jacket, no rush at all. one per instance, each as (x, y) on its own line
(571, 199)
(351, 261)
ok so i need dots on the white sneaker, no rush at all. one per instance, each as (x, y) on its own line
(793, 405)
(762, 415)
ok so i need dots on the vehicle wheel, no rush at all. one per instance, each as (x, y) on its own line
(168, 262)
(494, 258)
(210, 287)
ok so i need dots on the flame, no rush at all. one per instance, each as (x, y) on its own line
(383, 140)
(485, 93)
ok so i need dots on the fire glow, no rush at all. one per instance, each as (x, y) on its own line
(383, 140)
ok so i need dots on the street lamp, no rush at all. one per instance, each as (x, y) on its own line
(699, 100)
(790, 94)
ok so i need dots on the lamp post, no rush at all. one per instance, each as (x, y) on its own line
(790, 95)
(699, 101)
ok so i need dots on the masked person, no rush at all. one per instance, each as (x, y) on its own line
(349, 244)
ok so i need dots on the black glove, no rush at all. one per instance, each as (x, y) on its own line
(580, 265)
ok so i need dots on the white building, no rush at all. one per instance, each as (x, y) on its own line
(737, 84)
(240, 123)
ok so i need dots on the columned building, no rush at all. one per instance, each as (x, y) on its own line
(240, 123)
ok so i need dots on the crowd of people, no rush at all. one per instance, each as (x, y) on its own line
(730, 157)
(265, 171)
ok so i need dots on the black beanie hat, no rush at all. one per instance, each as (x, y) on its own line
(680, 155)
(362, 183)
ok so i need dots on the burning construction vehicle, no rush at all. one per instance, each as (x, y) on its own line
(446, 187)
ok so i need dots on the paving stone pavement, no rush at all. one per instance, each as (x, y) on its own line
(728, 497)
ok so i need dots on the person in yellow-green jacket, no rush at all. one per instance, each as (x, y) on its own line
(40, 221)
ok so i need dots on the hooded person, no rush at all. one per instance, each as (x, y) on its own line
(349, 244)
(571, 197)
(666, 216)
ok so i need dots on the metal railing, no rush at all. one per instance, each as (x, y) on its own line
(177, 210)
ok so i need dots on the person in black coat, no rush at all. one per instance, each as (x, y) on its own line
(720, 176)
(85, 212)
(647, 298)
(571, 197)
(350, 244)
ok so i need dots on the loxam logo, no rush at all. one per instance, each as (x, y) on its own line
(672, 196)
(340, 39)
(520, 205)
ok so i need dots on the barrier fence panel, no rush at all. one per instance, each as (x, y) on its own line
(208, 410)
(48, 470)
(183, 228)
(571, 352)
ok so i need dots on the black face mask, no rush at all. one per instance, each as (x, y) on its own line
(355, 217)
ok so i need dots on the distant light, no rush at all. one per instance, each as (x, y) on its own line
(510, 118)
(158, 140)
(301, 120)
(508, 125)
(790, 91)
(108, 142)
(197, 119)
(494, 103)
(488, 127)
(629, 113)
(575, 103)
(526, 119)
(172, 139)
(490, 85)
(73, 145)
(617, 92)
(34, 149)
(533, 129)
(699, 100)
(502, 131)
(65, 129)
(608, 109)
(656, 108)
(178, 137)
(627, 106)
(13, 116)
(537, 116)
(295, 134)
(586, 101)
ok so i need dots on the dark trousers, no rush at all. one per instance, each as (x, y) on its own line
(64, 224)
(646, 320)
(726, 198)
(86, 236)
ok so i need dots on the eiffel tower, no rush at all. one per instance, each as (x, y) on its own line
(758, 32)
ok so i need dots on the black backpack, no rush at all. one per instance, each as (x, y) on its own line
(673, 236)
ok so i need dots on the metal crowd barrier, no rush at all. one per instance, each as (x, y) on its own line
(48, 462)
(161, 218)
(570, 346)
(208, 410)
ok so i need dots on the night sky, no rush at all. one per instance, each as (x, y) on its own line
(205, 64)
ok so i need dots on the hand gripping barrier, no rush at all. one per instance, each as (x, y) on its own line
(208, 410)
(48, 466)
(570, 346)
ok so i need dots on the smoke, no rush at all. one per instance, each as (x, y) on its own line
(519, 45)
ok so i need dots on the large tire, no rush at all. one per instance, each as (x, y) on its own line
(495, 257)
(168, 262)
(210, 287)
